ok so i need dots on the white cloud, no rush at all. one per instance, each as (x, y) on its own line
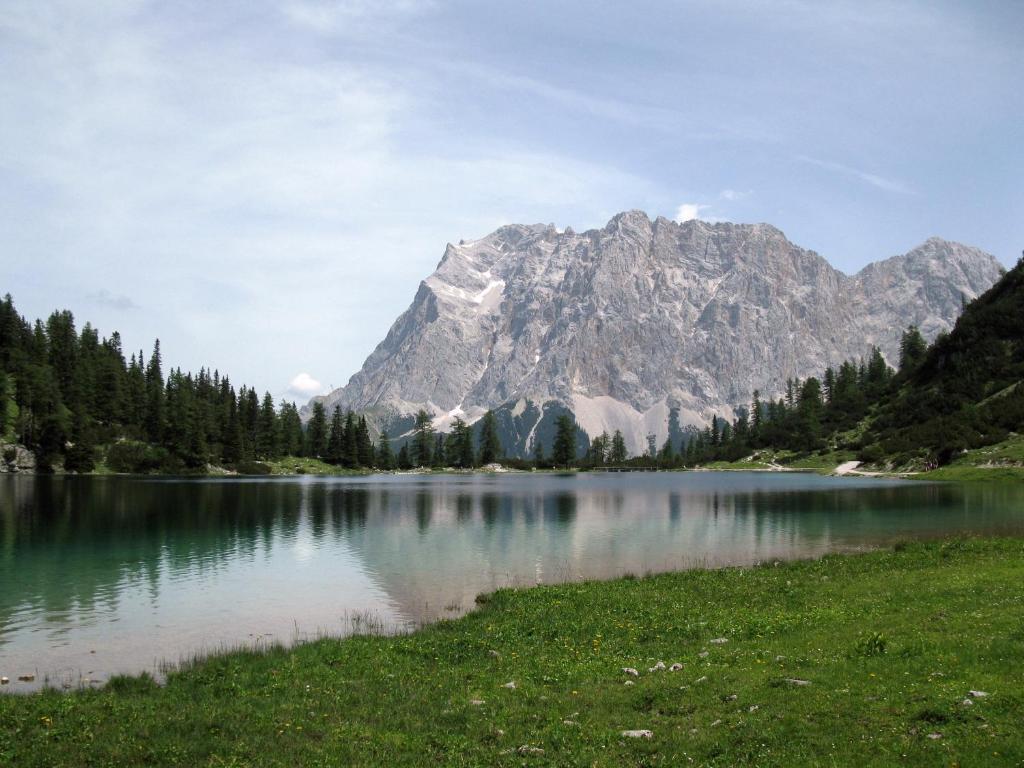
(327, 17)
(881, 182)
(305, 386)
(690, 211)
(733, 195)
(112, 300)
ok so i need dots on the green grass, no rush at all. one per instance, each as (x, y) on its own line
(1001, 461)
(768, 459)
(964, 473)
(301, 465)
(889, 642)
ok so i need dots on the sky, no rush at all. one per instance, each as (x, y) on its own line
(263, 185)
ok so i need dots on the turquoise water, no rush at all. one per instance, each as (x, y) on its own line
(100, 575)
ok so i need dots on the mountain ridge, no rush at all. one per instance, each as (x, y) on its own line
(626, 323)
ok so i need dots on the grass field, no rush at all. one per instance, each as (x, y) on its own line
(849, 660)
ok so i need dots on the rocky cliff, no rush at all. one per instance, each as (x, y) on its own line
(623, 324)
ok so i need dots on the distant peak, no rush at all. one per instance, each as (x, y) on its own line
(632, 217)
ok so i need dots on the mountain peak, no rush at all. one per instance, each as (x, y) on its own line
(624, 324)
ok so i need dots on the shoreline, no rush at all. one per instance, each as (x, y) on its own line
(885, 645)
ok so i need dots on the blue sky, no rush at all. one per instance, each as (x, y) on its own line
(263, 185)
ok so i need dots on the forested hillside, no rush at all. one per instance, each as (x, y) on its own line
(964, 391)
(66, 392)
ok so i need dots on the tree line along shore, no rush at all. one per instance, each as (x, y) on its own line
(77, 403)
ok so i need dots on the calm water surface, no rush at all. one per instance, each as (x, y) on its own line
(114, 574)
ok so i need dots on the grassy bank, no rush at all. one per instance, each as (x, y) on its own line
(851, 660)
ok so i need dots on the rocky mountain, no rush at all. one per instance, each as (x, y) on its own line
(642, 322)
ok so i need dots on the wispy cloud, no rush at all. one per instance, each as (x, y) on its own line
(881, 182)
(326, 17)
(105, 298)
(303, 386)
(690, 211)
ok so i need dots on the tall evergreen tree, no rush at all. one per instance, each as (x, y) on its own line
(563, 451)
(154, 415)
(912, 349)
(422, 440)
(336, 440)
(618, 454)
(268, 436)
(316, 432)
(385, 458)
(404, 460)
(365, 456)
(490, 444)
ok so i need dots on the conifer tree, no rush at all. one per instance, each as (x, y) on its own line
(404, 460)
(563, 451)
(422, 440)
(269, 438)
(490, 444)
(385, 458)
(364, 445)
(912, 349)
(350, 444)
(538, 452)
(316, 432)
(154, 416)
(336, 440)
(618, 453)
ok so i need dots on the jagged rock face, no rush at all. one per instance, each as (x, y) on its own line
(624, 323)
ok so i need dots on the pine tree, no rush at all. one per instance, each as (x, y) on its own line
(269, 439)
(912, 349)
(336, 440)
(490, 445)
(423, 439)
(5, 396)
(81, 457)
(231, 450)
(404, 461)
(350, 445)
(364, 445)
(439, 458)
(316, 432)
(154, 414)
(385, 458)
(618, 453)
(563, 451)
(290, 429)
(538, 452)
(459, 446)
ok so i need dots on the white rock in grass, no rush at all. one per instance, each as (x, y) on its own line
(675, 667)
(526, 749)
(477, 702)
(968, 702)
(638, 734)
(511, 684)
(717, 722)
(703, 654)
(631, 671)
(797, 681)
(629, 682)
(977, 694)
(720, 641)
(657, 667)
(701, 679)
(935, 736)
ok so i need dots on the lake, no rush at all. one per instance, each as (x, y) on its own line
(101, 575)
